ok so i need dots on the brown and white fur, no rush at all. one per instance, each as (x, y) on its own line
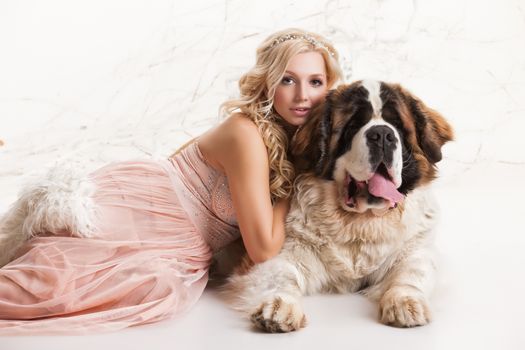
(347, 240)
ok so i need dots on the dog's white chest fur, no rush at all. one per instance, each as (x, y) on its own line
(356, 259)
(352, 250)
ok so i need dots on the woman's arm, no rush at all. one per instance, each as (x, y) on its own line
(238, 148)
(280, 210)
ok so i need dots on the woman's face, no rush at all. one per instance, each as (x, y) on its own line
(302, 87)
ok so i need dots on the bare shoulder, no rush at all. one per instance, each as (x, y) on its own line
(241, 141)
(239, 128)
(236, 138)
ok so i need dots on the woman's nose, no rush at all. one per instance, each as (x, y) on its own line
(301, 93)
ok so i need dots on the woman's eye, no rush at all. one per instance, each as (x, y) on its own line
(287, 81)
(317, 82)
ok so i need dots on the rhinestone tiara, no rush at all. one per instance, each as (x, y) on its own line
(304, 37)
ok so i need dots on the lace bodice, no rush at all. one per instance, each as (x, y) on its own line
(206, 197)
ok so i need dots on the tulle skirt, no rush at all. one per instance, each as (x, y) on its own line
(145, 263)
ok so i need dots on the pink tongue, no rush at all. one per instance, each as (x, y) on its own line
(381, 187)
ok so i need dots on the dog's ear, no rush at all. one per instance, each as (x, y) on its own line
(309, 147)
(325, 132)
(432, 129)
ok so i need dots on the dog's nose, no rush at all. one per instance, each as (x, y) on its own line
(381, 136)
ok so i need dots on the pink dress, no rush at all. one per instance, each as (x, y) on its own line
(158, 223)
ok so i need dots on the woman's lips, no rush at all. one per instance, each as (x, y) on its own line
(300, 112)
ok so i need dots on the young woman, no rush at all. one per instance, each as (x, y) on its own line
(132, 242)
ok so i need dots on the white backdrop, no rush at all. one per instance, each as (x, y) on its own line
(103, 80)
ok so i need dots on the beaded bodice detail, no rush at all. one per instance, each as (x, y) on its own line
(205, 196)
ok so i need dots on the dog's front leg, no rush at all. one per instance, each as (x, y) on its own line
(270, 295)
(403, 294)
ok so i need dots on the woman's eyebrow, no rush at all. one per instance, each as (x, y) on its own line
(310, 75)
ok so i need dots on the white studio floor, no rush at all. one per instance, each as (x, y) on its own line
(478, 303)
(106, 80)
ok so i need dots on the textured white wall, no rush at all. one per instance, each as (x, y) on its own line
(107, 80)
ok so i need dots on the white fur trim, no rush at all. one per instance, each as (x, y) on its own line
(61, 200)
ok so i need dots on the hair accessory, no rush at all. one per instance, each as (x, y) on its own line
(304, 37)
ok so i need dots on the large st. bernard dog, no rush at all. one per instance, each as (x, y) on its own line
(362, 216)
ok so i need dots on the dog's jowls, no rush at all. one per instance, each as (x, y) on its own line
(362, 216)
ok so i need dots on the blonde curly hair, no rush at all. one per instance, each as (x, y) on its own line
(257, 89)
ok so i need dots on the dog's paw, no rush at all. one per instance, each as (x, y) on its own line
(404, 307)
(279, 316)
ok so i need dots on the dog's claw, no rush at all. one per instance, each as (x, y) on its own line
(278, 316)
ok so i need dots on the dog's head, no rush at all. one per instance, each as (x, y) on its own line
(375, 140)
